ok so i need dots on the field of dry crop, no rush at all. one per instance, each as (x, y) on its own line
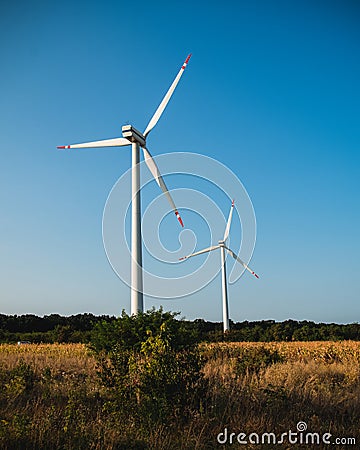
(50, 397)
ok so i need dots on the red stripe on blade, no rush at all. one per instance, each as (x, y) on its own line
(186, 61)
(179, 218)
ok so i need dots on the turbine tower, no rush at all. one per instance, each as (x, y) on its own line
(133, 137)
(222, 247)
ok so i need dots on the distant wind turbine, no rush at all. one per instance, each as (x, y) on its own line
(222, 248)
(133, 137)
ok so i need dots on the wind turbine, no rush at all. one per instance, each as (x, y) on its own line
(222, 248)
(133, 137)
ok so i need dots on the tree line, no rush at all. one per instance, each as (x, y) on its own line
(80, 327)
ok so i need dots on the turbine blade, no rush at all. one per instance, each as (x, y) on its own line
(165, 100)
(116, 142)
(227, 229)
(241, 262)
(209, 249)
(158, 178)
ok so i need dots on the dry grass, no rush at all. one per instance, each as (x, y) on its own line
(68, 358)
(65, 407)
(292, 351)
(314, 382)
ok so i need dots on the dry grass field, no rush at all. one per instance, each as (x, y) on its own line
(50, 397)
(69, 358)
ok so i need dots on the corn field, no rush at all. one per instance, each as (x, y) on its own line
(51, 397)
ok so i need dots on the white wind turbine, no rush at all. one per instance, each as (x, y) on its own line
(222, 248)
(133, 137)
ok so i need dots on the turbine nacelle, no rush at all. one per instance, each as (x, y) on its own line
(133, 135)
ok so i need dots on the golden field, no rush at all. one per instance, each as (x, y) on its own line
(58, 357)
(51, 397)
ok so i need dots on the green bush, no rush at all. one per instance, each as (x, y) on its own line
(17, 381)
(151, 364)
(129, 332)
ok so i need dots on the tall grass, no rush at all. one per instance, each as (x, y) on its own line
(51, 397)
(316, 382)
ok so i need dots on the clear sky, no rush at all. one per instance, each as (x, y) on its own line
(272, 92)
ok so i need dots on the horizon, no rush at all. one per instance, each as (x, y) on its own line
(190, 320)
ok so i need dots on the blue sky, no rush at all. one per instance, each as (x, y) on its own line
(272, 92)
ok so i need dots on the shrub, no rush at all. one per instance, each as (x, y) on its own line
(129, 332)
(18, 381)
(152, 366)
